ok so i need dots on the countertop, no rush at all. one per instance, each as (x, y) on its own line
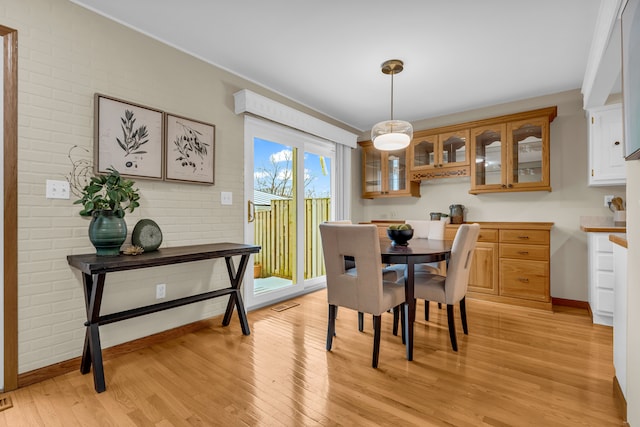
(618, 239)
(600, 224)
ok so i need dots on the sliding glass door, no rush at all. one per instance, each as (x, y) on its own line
(289, 184)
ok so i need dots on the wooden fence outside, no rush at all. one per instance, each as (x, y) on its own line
(275, 232)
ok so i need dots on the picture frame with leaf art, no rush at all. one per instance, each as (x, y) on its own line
(128, 138)
(190, 150)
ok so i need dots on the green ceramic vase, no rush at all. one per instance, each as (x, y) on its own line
(107, 232)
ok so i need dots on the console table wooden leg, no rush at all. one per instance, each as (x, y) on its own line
(235, 298)
(92, 352)
(85, 364)
(96, 358)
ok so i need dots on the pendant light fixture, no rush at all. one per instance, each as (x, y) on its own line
(392, 134)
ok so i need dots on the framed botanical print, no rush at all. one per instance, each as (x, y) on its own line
(190, 150)
(127, 137)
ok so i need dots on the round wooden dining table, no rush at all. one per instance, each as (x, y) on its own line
(417, 251)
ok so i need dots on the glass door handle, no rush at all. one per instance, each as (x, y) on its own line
(251, 211)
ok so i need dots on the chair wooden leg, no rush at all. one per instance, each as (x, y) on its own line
(426, 310)
(360, 321)
(377, 325)
(331, 329)
(463, 315)
(452, 327)
(396, 318)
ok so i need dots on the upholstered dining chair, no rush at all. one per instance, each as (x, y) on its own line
(428, 229)
(363, 288)
(388, 273)
(423, 229)
(452, 288)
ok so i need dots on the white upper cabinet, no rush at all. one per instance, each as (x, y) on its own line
(606, 147)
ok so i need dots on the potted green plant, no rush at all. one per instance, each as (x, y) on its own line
(105, 199)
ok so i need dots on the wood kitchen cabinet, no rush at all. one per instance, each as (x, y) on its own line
(511, 153)
(439, 155)
(489, 148)
(386, 173)
(524, 264)
(483, 276)
(500, 154)
(510, 263)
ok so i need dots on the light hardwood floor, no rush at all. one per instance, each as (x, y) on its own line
(517, 367)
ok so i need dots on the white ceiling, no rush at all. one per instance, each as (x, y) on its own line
(458, 54)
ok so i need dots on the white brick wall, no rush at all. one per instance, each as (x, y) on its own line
(66, 54)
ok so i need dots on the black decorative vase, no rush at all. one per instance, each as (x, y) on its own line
(107, 232)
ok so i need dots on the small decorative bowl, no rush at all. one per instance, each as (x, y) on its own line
(400, 237)
(133, 250)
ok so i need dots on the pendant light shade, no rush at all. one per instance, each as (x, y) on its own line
(392, 134)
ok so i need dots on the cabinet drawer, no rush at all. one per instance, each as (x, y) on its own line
(530, 237)
(488, 235)
(524, 279)
(450, 232)
(533, 252)
(602, 243)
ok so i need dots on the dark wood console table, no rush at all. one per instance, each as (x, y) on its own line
(95, 268)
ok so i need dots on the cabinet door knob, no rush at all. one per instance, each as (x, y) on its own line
(616, 143)
(523, 252)
(523, 279)
(523, 237)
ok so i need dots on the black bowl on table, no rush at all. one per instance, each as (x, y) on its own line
(400, 237)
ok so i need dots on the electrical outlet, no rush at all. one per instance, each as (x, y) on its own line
(161, 291)
(607, 200)
(57, 189)
(226, 198)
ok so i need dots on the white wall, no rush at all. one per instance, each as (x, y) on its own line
(633, 295)
(570, 198)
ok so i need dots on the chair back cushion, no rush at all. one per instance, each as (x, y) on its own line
(420, 228)
(436, 230)
(359, 289)
(460, 262)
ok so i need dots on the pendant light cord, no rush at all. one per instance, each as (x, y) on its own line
(392, 73)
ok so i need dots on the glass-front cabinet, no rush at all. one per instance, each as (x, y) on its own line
(529, 155)
(439, 155)
(513, 155)
(499, 154)
(386, 173)
(489, 148)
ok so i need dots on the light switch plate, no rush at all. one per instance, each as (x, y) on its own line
(226, 197)
(57, 189)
